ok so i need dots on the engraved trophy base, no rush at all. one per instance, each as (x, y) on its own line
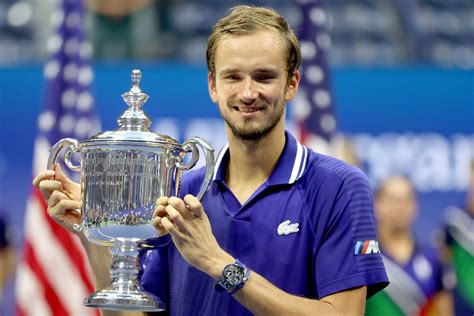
(124, 291)
(113, 299)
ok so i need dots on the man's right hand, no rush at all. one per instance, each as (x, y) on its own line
(62, 195)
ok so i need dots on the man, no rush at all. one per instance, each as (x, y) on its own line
(415, 271)
(291, 216)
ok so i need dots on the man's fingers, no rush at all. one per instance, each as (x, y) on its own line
(160, 210)
(162, 201)
(160, 206)
(176, 218)
(73, 189)
(43, 175)
(61, 176)
(168, 225)
(159, 227)
(182, 207)
(194, 205)
(48, 186)
(177, 203)
(55, 197)
(58, 210)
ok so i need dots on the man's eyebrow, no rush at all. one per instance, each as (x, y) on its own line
(228, 71)
(266, 70)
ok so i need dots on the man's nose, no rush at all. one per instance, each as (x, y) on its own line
(249, 92)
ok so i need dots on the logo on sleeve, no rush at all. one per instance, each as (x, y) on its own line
(366, 247)
(286, 228)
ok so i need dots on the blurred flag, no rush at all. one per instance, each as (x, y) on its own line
(313, 106)
(53, 277)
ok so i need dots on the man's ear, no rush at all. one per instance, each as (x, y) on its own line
(292, 87)
(211, 85)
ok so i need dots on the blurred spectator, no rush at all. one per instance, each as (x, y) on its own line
(415, 271)
(7, 257)
(459, 251)
(384, 32)
(122, 29)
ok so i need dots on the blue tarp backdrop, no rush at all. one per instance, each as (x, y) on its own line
(415, 120)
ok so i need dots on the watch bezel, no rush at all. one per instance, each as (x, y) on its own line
(233, 274)
(233, 277)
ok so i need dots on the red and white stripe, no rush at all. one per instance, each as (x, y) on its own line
(54, 276)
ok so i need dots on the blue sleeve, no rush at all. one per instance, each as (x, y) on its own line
(348, 256)
(154, 269)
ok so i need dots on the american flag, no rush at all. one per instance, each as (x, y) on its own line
(313, 106)
(54, 277)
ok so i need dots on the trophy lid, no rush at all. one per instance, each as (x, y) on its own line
(134, 124)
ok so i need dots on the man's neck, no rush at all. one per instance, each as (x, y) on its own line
(255, 159)
(252, 162)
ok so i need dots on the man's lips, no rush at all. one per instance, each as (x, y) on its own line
(248, 109)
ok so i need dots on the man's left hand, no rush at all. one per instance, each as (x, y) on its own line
(189, 227)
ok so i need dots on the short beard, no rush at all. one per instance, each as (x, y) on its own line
(248, 134)
(252, 135)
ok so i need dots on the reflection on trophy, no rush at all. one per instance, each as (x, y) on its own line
(123, 173)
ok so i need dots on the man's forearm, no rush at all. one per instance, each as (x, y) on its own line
(263, 298)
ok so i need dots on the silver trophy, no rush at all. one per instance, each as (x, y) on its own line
(123, 173)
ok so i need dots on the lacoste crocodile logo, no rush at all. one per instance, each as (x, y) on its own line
(287, 228)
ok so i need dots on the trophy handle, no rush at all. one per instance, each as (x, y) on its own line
(73, 146)
(190, 146)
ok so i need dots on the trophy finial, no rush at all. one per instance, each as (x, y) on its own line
(135, 97)
(134, 118)
(136, 78)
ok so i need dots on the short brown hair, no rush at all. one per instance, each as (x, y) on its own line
(246, 20)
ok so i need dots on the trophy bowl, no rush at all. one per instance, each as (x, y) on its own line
(123, 173)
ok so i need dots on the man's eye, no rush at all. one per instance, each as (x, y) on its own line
(264, 78)
(232, 77)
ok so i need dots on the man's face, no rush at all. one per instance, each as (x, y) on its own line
(251, 85)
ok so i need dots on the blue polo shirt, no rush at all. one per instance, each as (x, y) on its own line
(301, 230)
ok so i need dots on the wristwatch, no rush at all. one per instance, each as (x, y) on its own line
(233, 277)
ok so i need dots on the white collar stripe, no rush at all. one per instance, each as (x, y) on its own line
(297, 164)
(219, 160)
(304, 162)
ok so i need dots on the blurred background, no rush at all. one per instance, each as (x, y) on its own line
(393, 79)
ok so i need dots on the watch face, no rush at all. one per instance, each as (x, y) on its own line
(233, 275)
